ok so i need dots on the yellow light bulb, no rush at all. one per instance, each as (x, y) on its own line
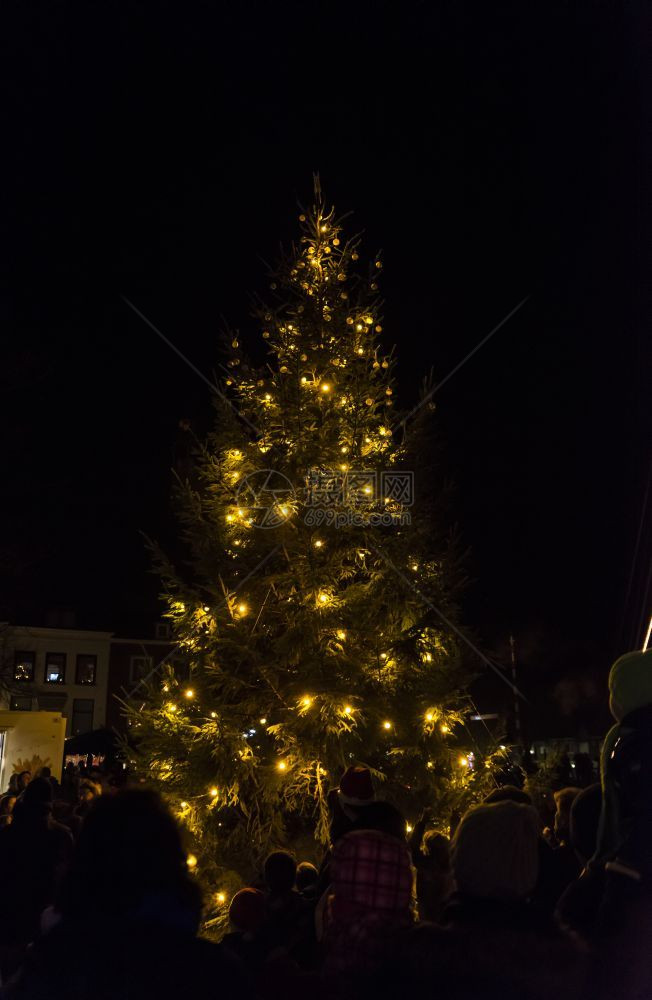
(214, 792)
(415, 566)
(428, 657)
(263, 721)
(172, 707)
(341, 634)
(267, 396)
(306, 701)
(463, 761)
(408, 828)
(343, 467)
(348, 710)
(184, 805)
(221, 898)
(383, 656)
(324, 598)
(189, 693)
(213, 715)
(429, 716)
(303, 380)
(361, 350)
(281, 765)
(444, 728)
(242, 609)
(229, 517)
(191, 861)
(359, 327)
(430, 765)
(240, 512)
(318, 543)
(387, 725)
(367, 489)
(166, 687)
(325, 387)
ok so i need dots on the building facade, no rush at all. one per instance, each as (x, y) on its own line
(56, 670)
(132, 663)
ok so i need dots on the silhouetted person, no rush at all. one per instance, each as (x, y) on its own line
(7, 803)
(129, 916)
(34, 850)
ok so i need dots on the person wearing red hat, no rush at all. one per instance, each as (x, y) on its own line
(356, 790)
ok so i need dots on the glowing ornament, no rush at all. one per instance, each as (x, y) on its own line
(221, 898)
(387, 724)
(263, 721)
(281, 766)
(191, 861)
(214, 792)
(189, 693)
(243, 609)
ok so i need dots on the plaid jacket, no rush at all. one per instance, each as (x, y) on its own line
(371, 896)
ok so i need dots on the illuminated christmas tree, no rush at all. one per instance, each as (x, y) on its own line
(318, 569)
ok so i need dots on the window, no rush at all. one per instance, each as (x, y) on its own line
(21, 703)
(82, 715)
(162, 630)
(86, 668)
(55, 668)
(139, 667)
(24, 666)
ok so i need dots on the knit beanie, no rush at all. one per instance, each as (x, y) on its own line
(247, 910)
(630, 683)
(495, 851)
(356, 789)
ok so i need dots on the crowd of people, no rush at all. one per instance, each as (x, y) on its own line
(98, 899)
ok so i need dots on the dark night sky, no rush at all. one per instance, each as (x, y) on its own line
(157, 150)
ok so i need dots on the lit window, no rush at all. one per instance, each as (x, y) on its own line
(24, 666)
(86, 668)
(55, 668)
